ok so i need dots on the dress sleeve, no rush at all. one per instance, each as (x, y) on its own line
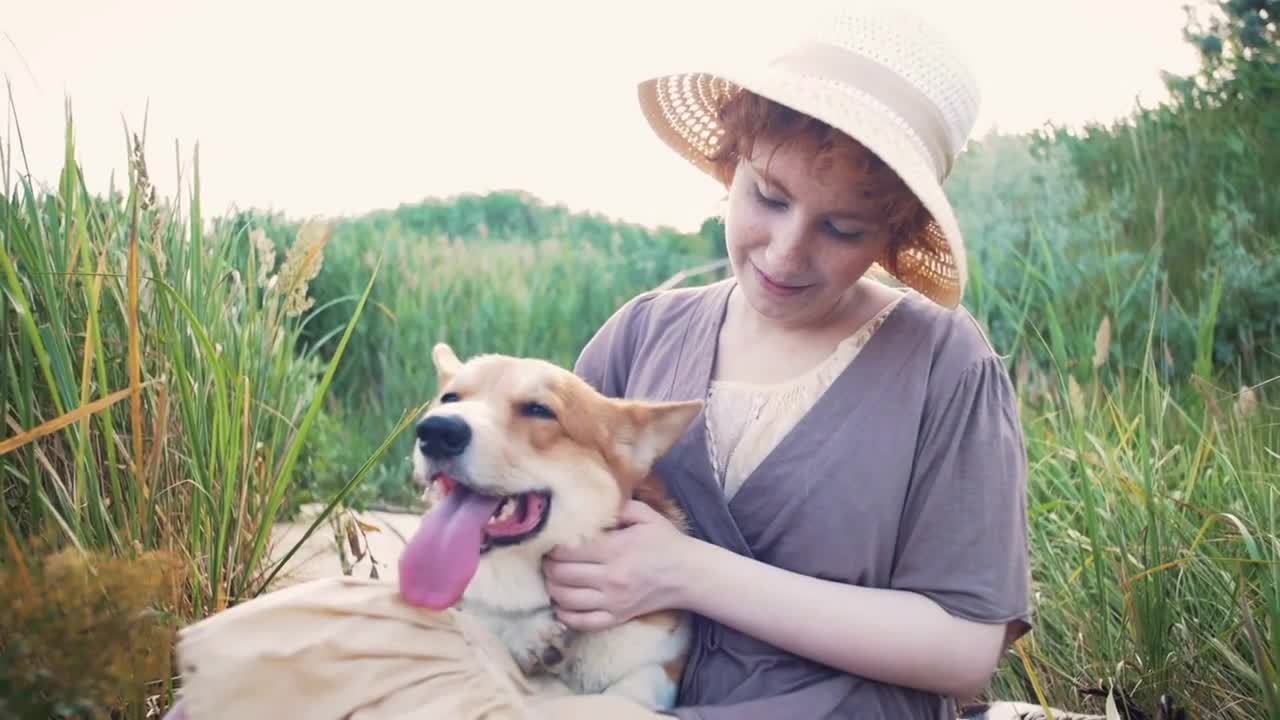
(963, 538)
(605, 360)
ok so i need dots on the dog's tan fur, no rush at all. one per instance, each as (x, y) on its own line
(594, 454)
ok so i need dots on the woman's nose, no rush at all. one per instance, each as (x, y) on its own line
(787, 253)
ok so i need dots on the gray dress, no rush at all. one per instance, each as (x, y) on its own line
(908, 473)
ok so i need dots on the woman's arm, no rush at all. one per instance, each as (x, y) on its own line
(892, 636)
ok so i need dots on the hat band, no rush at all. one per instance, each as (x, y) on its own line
(914, 107)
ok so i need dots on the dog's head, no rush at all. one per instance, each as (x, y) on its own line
(518, 455)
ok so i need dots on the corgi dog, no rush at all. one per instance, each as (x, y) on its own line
(517, 456)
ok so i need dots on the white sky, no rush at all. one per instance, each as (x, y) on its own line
(318, 107)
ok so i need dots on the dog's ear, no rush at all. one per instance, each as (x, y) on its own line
(446, 362)
(647, 429)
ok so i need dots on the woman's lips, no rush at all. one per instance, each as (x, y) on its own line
(775, 287)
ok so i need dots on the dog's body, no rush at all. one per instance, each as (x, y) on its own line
(520, 456)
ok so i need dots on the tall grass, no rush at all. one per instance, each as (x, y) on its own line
(1153, 525)
(1206, 162)
(154, 395)
(1135, 290)
(1154, 467)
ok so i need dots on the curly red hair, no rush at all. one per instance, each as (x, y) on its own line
(747, 117)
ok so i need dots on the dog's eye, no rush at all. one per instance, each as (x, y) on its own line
(449, 397)
(536, 409)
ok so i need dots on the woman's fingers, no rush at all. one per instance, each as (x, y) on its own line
(573, 574)
(589, 552)
(576, 599)
(586, 621)
(637, 512)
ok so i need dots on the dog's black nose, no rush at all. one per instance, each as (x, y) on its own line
(442, 436)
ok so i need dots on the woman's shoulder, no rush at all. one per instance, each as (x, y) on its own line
(677, 302)
(952, 336)
(651, 322)
(664, 311)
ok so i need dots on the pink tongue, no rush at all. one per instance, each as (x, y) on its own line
(443, 554)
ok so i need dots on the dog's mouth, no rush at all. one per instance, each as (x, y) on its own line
(442, 556)
(517, 518)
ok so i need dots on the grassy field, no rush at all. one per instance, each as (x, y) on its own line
(156, 407)
(171, 385)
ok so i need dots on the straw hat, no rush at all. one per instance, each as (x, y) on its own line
(877, 73)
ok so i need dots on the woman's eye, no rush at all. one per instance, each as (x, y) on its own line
(449, 397)
(846, 233)
(768, 200)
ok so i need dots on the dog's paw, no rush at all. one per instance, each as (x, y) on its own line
(529, 661)
(549, 650)
(558, 638)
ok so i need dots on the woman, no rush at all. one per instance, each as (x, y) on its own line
(855, 432)
(856, 485)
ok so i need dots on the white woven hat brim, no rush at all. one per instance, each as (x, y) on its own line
(681, 110)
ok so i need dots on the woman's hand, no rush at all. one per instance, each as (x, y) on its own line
(631, 571)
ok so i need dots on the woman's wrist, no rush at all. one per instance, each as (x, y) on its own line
(696, 566)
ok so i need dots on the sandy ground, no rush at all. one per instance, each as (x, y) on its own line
(379, 536)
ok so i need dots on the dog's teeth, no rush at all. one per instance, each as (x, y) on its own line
(505, 510)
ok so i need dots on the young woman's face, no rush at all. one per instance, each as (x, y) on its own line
(798, 240)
